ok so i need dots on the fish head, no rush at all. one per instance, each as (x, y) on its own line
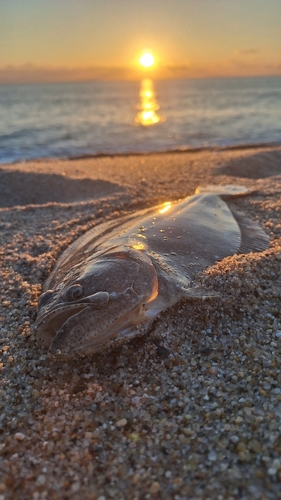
(99, 302)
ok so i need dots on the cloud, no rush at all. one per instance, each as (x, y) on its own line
(238, 66)
(30, 73)
(249, 52)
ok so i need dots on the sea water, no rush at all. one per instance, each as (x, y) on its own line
(66, 120)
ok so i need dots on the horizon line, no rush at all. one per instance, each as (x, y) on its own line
(30, 73)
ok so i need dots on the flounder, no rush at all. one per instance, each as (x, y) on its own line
(109, 285)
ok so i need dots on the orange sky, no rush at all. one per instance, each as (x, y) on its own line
(48, 40)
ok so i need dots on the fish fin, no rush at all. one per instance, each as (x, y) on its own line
(197, 293)
(253, 237)
(227, 190)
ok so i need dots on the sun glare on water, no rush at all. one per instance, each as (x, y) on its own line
(148, 105)
(147, 60)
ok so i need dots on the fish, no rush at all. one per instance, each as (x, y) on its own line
(110, 284)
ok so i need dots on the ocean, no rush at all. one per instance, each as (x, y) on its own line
(69, 120)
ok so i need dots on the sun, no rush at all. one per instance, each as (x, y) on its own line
(147, 60)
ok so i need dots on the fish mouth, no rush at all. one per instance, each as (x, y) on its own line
(47, 325)
(87, 327)
(52, 320)
(131, 324)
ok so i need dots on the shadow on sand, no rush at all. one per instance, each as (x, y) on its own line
(257, 166)
(25, 188)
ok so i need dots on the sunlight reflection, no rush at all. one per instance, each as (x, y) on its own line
(138, 242)
(165, 208)
(148, 105)
(139, 246)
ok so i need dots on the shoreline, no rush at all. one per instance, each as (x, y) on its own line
(181, 150)
(194, 410)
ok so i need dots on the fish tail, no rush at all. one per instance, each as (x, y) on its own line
(227, 190)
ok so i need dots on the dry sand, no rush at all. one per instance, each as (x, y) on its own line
(193, 411)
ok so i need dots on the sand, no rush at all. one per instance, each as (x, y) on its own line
(193, 411)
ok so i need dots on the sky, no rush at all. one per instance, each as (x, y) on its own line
(58, 40)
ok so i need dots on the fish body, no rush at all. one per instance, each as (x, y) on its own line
(110, 284)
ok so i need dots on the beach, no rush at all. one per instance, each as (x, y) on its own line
(193, 411)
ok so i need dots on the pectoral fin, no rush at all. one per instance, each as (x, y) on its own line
(199, 294)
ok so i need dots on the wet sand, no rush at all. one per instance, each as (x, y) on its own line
(193, 411)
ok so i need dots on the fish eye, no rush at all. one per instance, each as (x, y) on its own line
(45, 297)
(73, 293)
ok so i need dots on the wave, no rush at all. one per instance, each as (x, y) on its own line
(232, 147)
(94, 120)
